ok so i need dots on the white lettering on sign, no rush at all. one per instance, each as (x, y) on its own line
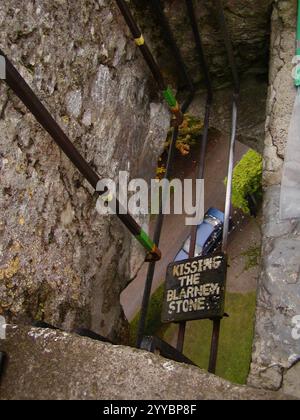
(204, 290)
(195, 289)
(192, 298)
(199, 266)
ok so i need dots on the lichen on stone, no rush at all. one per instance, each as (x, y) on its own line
(10, 269)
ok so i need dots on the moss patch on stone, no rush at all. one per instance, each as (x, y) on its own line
(252, 256)
(189, 133)
(247, 180)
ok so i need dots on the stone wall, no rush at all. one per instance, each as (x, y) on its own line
(276, 354)
(47, 364)
(251, 113)
(249, 27)
(59, 260)
(248, 23)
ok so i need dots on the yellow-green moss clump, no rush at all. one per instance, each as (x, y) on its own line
(247, 180)
(189, 133)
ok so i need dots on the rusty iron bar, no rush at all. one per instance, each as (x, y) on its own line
(171, 152)
(137, 35)
(214, 346)
(155, 344)
(152, 64)
(170, 40)
(2, 363)
(236, 90)
(16, 82)
(228, 45)
(201, 166)
(156, 238)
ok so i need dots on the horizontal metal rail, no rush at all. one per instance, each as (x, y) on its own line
(16, 82)
(156, 345)
(152, 64)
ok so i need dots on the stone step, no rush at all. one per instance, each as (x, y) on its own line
(50, 364)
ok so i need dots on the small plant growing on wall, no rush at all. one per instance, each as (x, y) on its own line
(247, 182)
(190, 133)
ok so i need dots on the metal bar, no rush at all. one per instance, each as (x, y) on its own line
(217, 322)
(201, 165)
(159, 222)
(153, 66)
(169, 37)
(154, 344)
(156, 238)
(181, 336)
(228, 45)
(84, 332)
(16, 82)
(139, 40)
(230, 176)
(2, 361)
(214, 346)
(199, 46)
(236, 87)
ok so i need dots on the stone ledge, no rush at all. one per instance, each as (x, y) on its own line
(47, 364)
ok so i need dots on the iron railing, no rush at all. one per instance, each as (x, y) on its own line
(16, 82)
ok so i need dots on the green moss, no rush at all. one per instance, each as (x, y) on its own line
(39, 316)
(235, 339)
(252, 256)
(247, 180)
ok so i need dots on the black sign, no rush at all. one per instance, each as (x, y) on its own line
(195, 289)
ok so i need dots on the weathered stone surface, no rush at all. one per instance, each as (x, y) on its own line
(249, 27)
(59, 260)
(251, 113)
(281, 90)
(46, 364)
(291, 381)
(276, 349)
